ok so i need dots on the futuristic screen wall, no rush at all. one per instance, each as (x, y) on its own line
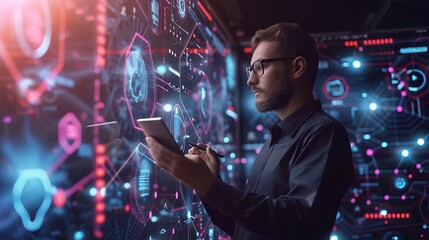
(75, 75)
(376, 84)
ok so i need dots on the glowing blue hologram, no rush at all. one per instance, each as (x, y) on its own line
(373, 106)
(161, 69)
(405, 153)
(401, 85)
(419, 49)
(335, 88)
(103, 191)
(345, 64)
(333, 237)
(144, 182)
(78, 235)
(356, 64)
(420, 141)
(25, 176)
(178, 127)
(203, 96)
(182, 8)
(400, 182)
(168, 107)
(155, 15)
(231, 113)
(417, 80)
(92, 191)
(137, 81)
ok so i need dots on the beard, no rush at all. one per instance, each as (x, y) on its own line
(277, 100)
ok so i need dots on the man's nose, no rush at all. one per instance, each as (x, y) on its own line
(252, 80)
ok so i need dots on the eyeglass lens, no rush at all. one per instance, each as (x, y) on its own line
(257, 68)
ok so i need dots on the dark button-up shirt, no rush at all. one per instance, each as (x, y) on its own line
(296, 184)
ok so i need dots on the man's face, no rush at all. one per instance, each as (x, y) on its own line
(273, 89)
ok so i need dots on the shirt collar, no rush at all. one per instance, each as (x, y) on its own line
(295, 119)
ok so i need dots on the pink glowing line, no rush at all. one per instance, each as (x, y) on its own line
(140, 6)
(9, 63)
(190, 36)
(122, 167)
(61, 49)
(162, 87)
(73, 189)
(58, 163)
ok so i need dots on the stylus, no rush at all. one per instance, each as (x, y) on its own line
(203, 148)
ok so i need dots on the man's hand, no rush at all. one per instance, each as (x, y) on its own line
(191, 169)
(208, 156)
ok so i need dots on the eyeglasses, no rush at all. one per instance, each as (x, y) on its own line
(258, 67)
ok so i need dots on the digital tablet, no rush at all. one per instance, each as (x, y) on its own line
(156, 128)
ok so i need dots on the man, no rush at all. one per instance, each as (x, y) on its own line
(302, 172)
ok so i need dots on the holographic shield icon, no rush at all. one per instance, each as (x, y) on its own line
(24, 178)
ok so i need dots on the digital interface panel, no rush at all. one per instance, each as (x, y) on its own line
(75, 75)
(377, 85)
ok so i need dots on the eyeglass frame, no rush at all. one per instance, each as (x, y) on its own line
(248, 69)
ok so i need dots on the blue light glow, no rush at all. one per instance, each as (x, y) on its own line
(384, 144)
(161, 69)
(338, 216)
(92, 191)
(420, 141)
(356, 64)
(168, 107)
(79, 235)
(373, 106)
(413, 49)
(23, 179)
(405, 153)
(400, 183)
(346, 64)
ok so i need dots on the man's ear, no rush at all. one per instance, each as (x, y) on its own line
(300, 65)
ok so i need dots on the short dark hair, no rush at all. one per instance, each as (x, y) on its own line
(293, 41)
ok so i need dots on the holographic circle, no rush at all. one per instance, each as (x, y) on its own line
(182, 7)
(33, 27)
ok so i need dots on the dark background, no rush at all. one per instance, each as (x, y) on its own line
(244, 17)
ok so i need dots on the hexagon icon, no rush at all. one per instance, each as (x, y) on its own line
(139, 80)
